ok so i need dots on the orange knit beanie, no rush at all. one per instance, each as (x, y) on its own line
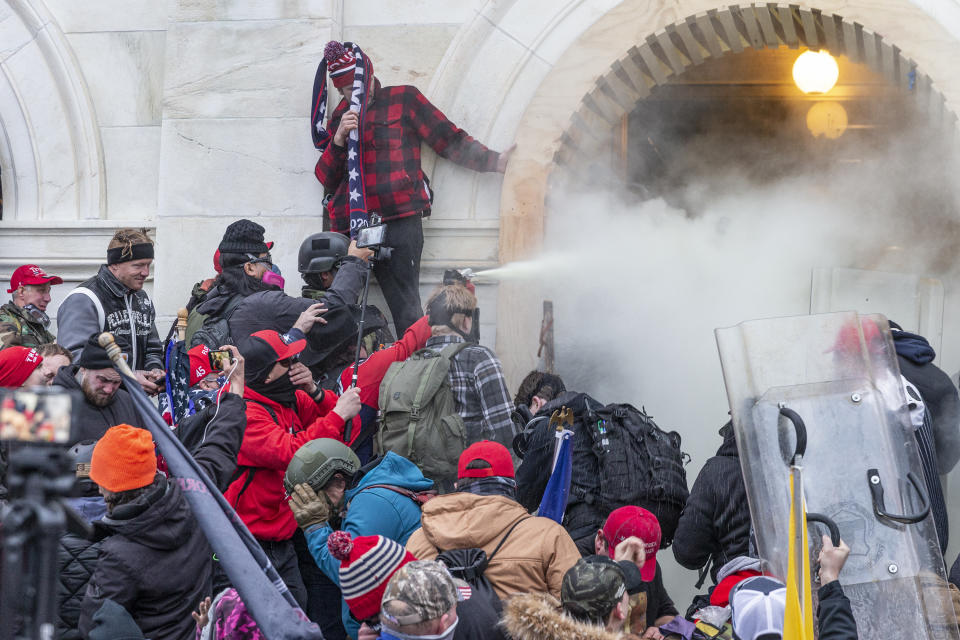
(124, 459)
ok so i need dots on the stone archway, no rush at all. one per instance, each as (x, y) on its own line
(50, 150)
(551, 55)
(732, 30)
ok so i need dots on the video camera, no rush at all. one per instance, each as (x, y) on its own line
(35, 431)
(372, 237)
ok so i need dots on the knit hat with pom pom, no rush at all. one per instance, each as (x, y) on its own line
(340, 62)
(366, 564)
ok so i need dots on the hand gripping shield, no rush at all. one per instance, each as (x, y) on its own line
(861, 466)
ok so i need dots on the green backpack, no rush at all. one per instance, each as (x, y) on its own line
(418, 418)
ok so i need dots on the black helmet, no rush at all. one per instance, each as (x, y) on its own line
(80, 455)
(317, 461)
(322, 252)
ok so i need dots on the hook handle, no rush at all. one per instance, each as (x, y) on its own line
(828, 523)
(876, 490)
(800, 428)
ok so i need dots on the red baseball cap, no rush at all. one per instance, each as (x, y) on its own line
(275, 341)
(493, 453)
(630, 521)
(199, 363)
(16, 365)
(31, 274)
(848, 338)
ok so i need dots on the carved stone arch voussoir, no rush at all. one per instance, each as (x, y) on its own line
(51, 158)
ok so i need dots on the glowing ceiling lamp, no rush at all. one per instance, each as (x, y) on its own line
(828, 119)
(815, 72)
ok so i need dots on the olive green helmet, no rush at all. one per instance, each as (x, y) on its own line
(317, 461)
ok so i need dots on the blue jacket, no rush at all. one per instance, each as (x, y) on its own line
(373, 512)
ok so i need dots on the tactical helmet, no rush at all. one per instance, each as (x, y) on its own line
(317, 461)
(80, 455)
(322, 252)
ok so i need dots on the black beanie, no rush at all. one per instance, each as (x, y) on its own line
(93, 355)
(244, 236)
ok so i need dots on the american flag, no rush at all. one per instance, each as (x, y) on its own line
(175, 404)
(321, 137)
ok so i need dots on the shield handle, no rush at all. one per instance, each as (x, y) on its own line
(876, 490)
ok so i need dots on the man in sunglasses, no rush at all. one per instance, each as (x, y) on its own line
(23, 320)
(280, 419)
(247, 268)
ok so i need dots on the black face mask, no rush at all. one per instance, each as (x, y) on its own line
(280, 390)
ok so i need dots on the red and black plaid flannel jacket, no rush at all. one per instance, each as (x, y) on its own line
(398, 119)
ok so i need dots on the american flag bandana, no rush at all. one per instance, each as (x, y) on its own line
(322, 138)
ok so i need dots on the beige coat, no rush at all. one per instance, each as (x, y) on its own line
(533, 559)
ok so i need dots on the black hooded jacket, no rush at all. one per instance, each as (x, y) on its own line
(155, 560)
(155, 563)
(218, 305)
(834, 614)
(715, 523)
(915, 357)
(91, 421)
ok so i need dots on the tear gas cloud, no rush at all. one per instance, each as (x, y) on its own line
(639, 286)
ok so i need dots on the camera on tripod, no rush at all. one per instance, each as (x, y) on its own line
(35, 431)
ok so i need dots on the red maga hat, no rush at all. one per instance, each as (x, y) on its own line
(31, 274)
(493, 453)
(630, 521)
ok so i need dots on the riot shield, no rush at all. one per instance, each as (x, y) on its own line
(861, 468)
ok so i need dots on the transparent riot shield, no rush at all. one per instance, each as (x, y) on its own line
(861, 466)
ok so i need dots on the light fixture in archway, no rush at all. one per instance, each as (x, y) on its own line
(815, 72)
(828, 119)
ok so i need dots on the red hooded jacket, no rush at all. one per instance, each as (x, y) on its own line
(268, 447)
(375, 367)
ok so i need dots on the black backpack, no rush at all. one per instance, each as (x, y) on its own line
(620, 457)
(640, 464)
(470, 564)
(536, 443)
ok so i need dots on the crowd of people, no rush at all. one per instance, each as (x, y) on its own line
(379, 475)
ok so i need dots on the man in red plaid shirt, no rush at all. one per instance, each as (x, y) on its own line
(397, 120)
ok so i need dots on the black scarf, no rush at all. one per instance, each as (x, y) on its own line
(280, 390)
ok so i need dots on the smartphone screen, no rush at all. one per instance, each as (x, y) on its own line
(371, 236)
(219, 359)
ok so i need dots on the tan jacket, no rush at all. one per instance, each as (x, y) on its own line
(533, 559)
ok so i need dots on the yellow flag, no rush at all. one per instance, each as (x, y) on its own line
(798, 619)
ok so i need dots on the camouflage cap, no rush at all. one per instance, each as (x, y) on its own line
(591, 588)
(419, 591)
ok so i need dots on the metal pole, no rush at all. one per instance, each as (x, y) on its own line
(348, 431)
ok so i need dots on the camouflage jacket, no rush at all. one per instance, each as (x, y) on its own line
(18, 328)
(313, 294)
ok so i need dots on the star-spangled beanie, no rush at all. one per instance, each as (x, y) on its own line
(366, 565)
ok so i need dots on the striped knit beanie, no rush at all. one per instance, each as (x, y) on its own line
(366, 564)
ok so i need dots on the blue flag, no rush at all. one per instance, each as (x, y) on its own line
(554, 502)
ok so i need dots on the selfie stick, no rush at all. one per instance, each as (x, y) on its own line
(348, 432)
(256, 580)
